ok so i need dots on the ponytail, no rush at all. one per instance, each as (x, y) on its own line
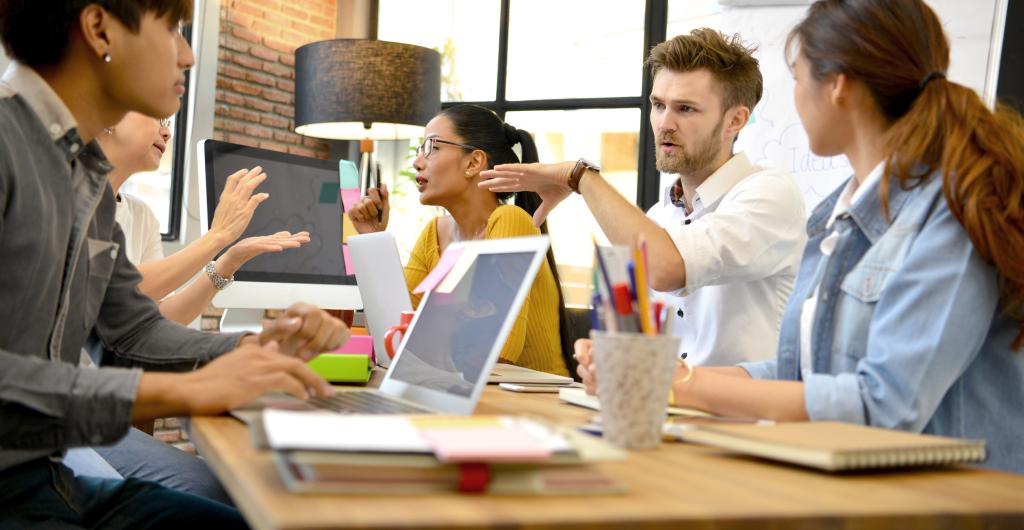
(980, 154)
(897, 48)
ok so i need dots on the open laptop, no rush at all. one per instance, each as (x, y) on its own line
(455, 338)
(384, 294)
(381, 285)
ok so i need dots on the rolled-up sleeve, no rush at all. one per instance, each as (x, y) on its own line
(754, 233)
(47, 405)
(930, 322)
(767, 369)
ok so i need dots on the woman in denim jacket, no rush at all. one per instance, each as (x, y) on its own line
(907, 310)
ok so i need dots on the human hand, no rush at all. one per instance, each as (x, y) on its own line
(243, 375)
(305, 331)
(585, 369)
(243, 251)
(364, 214)
(237, 204)
(550, 181)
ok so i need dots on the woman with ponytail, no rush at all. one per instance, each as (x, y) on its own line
(459, 143)
(907, 312)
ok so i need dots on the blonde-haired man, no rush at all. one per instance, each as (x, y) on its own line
(725, 240)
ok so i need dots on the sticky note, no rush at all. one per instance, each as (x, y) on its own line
(506, 443)
(458, 271)
(349, 268)
(348, 174)
(445, 264)
(347, 228)
(329, 193)
(349, 198)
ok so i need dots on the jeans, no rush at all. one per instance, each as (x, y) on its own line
(139, 455)
(46, 494)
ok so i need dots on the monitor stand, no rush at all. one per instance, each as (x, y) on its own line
(235, 320)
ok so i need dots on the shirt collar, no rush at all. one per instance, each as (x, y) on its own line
(853, 192)
(55, 116)
(721, 181)
(41, 98)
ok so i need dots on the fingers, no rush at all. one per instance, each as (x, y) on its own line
(232, 181)
(502, 184)
(255, 201)
(279, 328)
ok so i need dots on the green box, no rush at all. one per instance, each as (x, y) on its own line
(343, 367)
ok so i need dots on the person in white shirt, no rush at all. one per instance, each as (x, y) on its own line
(136, 144)
(725, 240)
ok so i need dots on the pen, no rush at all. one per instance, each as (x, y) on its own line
(631, 270)
(380, 212)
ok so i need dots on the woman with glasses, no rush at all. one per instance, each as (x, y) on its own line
(459, 143)
(137, 144)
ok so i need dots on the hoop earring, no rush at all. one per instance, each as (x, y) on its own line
(106, 57)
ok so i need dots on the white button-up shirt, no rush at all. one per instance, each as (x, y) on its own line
(741, 246)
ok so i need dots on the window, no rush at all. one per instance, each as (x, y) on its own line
(162, 189)
(568, 71)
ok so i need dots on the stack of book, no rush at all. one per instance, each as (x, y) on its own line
(318, 452)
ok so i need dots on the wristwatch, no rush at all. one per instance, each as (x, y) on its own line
(219, 281)
(581, 167)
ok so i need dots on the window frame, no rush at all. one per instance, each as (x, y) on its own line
(655, 28)
(180, 148)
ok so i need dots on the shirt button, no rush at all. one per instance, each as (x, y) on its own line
(686, 222)
(679, 313)
(113, 253)
(74, 148)
(55, 128)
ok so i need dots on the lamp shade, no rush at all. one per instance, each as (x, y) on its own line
(348, 89)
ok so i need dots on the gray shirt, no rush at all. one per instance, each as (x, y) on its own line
(65, 282)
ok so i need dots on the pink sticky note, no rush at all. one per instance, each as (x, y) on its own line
(349, 268)
(349, 197)
(358, 345)
(496, 444)
(445, 264)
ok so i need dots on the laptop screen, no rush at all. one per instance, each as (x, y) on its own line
(448, 347)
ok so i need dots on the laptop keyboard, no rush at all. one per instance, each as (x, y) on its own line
(365, 403)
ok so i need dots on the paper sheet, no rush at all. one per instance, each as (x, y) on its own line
(330, 431)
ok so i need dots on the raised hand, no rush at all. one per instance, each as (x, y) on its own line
(365, 213)
(237, 204)
(243, 251)
(550, 181)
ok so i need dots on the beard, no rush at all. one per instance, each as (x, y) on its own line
(691, 160)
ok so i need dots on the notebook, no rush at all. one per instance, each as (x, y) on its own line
(580, 398)
(834, 446)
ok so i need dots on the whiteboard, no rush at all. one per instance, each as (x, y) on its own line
(774, 137)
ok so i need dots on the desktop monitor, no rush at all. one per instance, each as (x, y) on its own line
(304, 195)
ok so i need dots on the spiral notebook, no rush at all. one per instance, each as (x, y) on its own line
(834, 446)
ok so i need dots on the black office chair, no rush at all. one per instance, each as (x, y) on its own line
(578, 328)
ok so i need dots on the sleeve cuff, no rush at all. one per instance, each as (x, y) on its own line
(761, 369)
(834, 398)
(102, 403)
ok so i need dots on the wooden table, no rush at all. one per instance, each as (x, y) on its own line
(678, 485)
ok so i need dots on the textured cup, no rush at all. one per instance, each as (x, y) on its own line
(634, 374)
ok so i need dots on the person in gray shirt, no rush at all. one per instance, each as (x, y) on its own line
(65, 282)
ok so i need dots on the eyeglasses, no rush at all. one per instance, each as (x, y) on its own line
(429, 145)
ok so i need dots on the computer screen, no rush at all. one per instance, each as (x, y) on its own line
(449, 346)
(304, 195)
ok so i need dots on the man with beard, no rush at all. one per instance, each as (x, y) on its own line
(724, 243)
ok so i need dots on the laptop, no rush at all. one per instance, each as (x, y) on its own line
(455, 338)
(381, 285)
(384, 293)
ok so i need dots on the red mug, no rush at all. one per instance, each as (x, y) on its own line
(400, 329)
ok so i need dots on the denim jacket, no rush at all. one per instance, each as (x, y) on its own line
(908, 333)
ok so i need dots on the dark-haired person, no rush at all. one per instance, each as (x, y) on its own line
(78, 67)
(724, 241)
(460, 143)
(907, 313)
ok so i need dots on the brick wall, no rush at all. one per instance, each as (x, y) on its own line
(255, 98)
(256, 70)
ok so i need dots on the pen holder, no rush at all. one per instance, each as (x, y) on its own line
(634, 375)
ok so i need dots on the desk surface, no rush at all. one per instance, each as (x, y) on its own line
(678, 483)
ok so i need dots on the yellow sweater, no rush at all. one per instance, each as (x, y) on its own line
(534, 340)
